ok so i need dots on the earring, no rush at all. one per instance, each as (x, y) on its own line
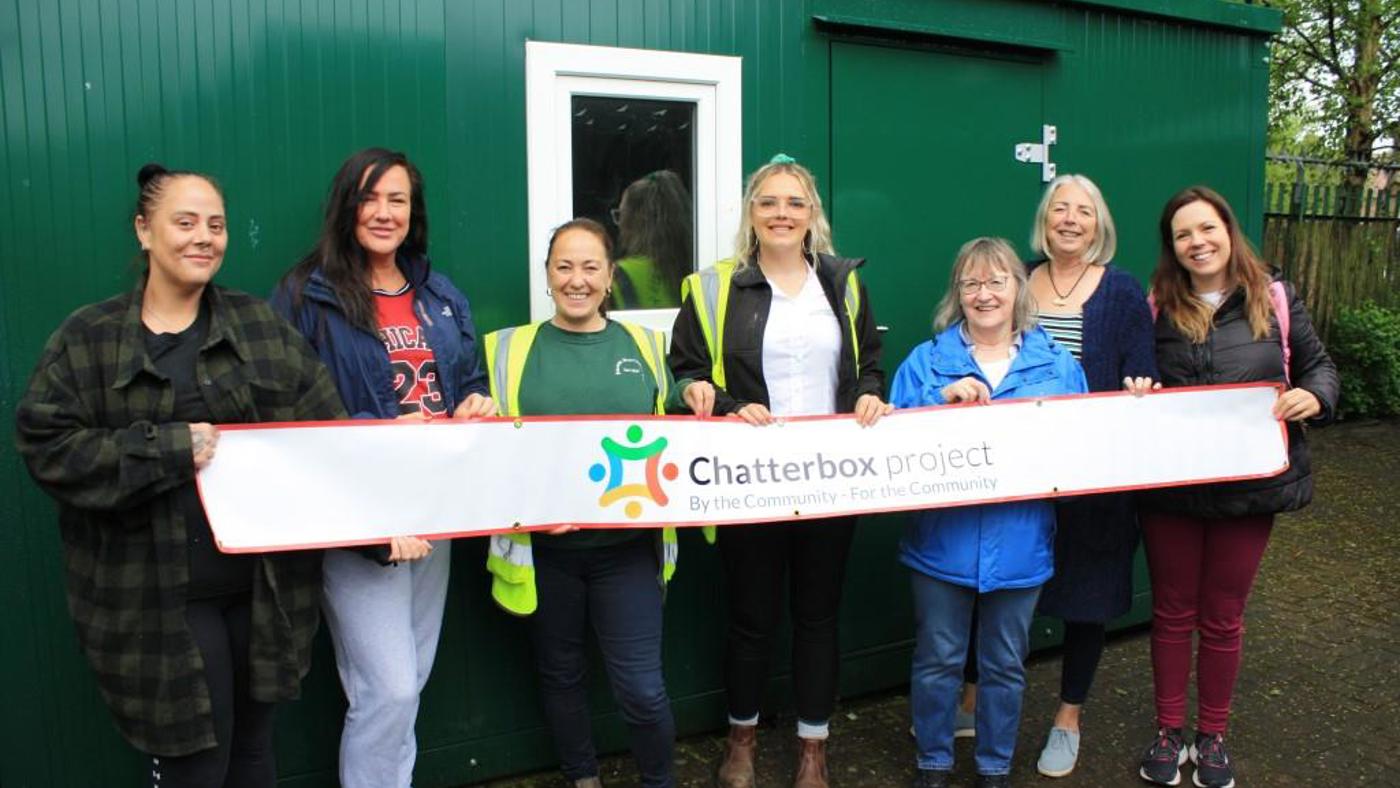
(549, 291)
(609, 291)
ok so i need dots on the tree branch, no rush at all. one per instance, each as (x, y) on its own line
(1332, 31)
(1313, 53)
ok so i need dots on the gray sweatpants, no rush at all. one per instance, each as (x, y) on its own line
(384, 622)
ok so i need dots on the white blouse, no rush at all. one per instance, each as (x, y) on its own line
(801, 347)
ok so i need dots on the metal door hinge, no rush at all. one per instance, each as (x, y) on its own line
(1039, 153)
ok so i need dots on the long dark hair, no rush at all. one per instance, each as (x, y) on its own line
(1171, 283)
(657, 224)
(338, 255)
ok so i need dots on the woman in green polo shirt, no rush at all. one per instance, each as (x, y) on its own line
(580, 362)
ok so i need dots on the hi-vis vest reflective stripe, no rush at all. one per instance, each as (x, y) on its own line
(712, 305)
(511, 560)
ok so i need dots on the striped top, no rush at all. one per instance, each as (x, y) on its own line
(1066, 330)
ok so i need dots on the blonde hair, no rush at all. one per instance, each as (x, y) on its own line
(1105, 243)
(996, 254)
(818, 237)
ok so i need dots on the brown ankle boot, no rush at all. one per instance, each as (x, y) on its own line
(811, 764)
(736, 770)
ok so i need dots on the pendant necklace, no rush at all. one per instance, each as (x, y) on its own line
(1061, 299)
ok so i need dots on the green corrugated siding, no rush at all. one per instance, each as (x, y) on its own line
(270, 95)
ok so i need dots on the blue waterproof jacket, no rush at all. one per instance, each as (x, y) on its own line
(357, 359)
(991, 546)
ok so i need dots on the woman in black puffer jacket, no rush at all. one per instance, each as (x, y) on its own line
(1219, 322)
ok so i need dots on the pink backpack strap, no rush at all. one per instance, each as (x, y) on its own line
(1279, 298)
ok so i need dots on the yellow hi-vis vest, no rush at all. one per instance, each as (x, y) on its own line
(511, 560)
(712, 305)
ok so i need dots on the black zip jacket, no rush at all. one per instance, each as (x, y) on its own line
(1231, 354)
(745, 320)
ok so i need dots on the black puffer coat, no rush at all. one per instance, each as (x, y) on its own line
(1231, 354)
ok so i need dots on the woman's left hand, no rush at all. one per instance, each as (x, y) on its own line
(699, 396)
(408, 548)
(1296, 405)
(1140, 386)
(869, 409)
(475, 406)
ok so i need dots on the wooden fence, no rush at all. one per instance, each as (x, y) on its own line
(1339, 245)
(1336, 262)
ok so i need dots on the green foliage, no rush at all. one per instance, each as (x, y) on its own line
(1334, 88)
(1366, 346)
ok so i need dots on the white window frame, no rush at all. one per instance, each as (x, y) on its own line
(555, 73)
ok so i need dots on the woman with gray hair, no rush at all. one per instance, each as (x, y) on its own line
(991, 556)
(1098, 313)
(783, 329)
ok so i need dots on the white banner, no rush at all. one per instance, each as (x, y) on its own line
(296, 486)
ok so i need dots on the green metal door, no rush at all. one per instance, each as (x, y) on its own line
(922, 161)
(922, 144)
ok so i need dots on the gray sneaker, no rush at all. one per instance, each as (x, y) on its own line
(964, 724)
(1060, 754)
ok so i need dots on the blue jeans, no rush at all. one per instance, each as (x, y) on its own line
(384, 622)
(943, 621)
(616, 589)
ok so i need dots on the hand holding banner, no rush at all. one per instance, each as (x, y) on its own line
(299, 486)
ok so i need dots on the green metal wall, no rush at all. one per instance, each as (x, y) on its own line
(270, 95)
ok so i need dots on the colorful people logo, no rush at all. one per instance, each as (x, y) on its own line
(613, 472)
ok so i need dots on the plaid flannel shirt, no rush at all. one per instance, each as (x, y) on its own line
(94, 428)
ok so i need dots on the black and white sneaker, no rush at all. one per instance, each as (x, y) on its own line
(1213, 767)
(1161, 764)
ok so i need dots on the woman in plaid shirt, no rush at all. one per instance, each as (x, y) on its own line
(191, 647)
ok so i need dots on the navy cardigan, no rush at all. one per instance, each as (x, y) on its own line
(1097, 535)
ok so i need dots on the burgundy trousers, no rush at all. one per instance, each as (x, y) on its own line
(1202, 572)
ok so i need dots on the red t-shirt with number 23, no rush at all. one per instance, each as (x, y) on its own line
(410, 357)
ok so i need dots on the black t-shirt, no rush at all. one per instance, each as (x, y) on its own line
(175, 356)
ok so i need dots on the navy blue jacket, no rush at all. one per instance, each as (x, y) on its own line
(357, 358)
(988, 546)
(1096, 536)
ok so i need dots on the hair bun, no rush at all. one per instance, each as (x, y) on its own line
(149, 172)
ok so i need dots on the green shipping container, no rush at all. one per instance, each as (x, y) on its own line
(906, 110)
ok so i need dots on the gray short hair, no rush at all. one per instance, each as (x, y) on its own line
(996, 254)
(1105, 243)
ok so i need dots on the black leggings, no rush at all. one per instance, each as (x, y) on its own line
(243, 757)
(1080, 652)
(758, 559)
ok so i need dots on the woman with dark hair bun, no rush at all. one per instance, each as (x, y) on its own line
(399, 341)
(610, 580)
(1224, 318)
(192, 647)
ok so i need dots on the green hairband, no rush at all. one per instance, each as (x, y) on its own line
(782, 158)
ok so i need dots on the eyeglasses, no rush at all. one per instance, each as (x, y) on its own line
(973, 286)
(768, 206)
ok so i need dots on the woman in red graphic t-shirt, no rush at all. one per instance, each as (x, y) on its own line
(398, 339)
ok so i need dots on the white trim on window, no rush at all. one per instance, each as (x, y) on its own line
(555, 73)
